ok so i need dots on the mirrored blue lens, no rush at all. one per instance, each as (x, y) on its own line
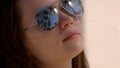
(47, 18)
(73, 6)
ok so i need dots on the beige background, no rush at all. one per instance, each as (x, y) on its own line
(102, 33)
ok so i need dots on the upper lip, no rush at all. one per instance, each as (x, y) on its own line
(69, 34)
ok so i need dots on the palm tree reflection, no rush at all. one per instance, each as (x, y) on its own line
(47, 19)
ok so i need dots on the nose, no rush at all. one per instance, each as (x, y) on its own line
(65, 20)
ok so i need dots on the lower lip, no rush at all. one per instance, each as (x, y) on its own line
(71, 37)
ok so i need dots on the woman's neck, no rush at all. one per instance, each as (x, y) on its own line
(67, 64)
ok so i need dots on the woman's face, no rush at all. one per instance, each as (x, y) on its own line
(62, 43)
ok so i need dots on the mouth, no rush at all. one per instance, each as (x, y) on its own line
(71, 35)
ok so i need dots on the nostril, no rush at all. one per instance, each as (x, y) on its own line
(67, 24)
(71, 23)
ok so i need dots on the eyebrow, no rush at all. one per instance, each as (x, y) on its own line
(47, 3)
(56, 1)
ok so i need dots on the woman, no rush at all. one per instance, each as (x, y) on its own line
(41, 34)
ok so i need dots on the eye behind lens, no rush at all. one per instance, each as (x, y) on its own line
(73, 7)
(47, 18)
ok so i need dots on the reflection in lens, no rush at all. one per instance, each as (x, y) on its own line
(73, 6)
(47, 18)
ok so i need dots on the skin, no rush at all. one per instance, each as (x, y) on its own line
(48, 48)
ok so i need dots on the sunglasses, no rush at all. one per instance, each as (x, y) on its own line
(48, 17)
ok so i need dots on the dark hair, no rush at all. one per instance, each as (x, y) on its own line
(12, 50)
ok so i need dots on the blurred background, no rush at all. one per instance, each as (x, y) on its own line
(102, 33)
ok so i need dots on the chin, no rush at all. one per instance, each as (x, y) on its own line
(74, 47)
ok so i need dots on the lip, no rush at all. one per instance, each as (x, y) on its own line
(71, 35)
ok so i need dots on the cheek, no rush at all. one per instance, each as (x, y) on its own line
(45, 48)
(79, 25)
